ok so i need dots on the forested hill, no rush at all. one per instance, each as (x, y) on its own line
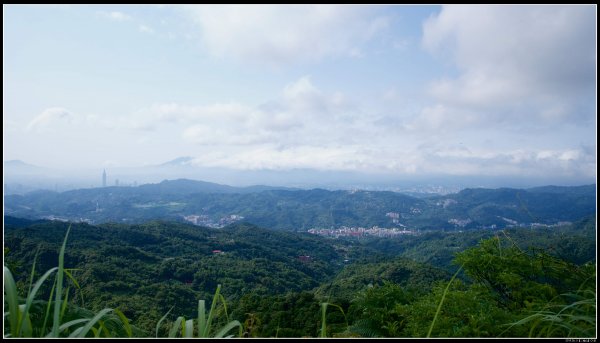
(298, 210)
(145, 269)
(275, 281)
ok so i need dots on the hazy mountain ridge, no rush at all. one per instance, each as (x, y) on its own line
(21, 177)
(206, 203)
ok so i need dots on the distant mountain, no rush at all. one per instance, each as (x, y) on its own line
(185, 186)
(10, 222)
(20, 167)
(574, 190)
(480, 207)
(16, 163)
(180, 161)
(215, 205)
(21, 177)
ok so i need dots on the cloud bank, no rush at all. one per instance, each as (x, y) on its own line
(285, 34)
(534, 64)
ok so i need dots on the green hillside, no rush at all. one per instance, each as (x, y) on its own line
(274, 282)
(299, 210)
(145, 269)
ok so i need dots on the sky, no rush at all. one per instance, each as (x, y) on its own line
(499, 91)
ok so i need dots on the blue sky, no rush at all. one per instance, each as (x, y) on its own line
(405, 90)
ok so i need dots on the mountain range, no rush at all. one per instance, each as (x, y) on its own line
(21, 177)
(216, 205)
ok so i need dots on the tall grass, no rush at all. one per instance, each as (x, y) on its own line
(19, 316)
(203, 327)
(437, 312)
(574, 319)
(107, 322)
(324, 305)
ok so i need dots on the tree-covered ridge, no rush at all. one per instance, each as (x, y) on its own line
(304, 209)
(574, 242)
(511, 283)
(147, 268)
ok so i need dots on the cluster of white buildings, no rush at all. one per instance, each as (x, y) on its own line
(204, 220)
(345, 231)
(460, 222)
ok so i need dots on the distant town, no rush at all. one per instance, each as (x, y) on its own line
(341, 231)
(204, 220)
(375, 231)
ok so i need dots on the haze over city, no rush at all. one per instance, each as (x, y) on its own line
(504, 92)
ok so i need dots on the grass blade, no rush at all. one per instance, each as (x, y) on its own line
(324, 306)
(437, 312)
(76, 332)
(224, 306)
(48, 308)
(74, 322)
(10, 294)
(212, 310)
(34, 291)
(25, 329)
(125, 321)
(188, 329)
(33, 268)
(201, 318)
(64, 304)
(323, 333)
(85, 329)
(70, 276)
(175, 327)
(161, 320)
(59, 284)
(228, 327)
(104, 329)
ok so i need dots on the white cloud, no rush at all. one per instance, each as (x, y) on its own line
(270, 157)
(301, 114)
(49, 117)
(145, 29)
(305, 127)
(174, 112)
(301, 88)
(116, 16)
(506, 162)
(219, 136)
(516, 62)
(419, 160)
(444, 119)
(284, 34)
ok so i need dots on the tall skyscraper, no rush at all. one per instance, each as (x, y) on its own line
(104, 178)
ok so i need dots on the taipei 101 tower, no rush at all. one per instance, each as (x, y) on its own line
(104, 178)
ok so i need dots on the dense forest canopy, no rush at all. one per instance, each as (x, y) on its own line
(215, 205)
(275, 282)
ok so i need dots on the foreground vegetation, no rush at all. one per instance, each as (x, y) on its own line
(121, 281)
